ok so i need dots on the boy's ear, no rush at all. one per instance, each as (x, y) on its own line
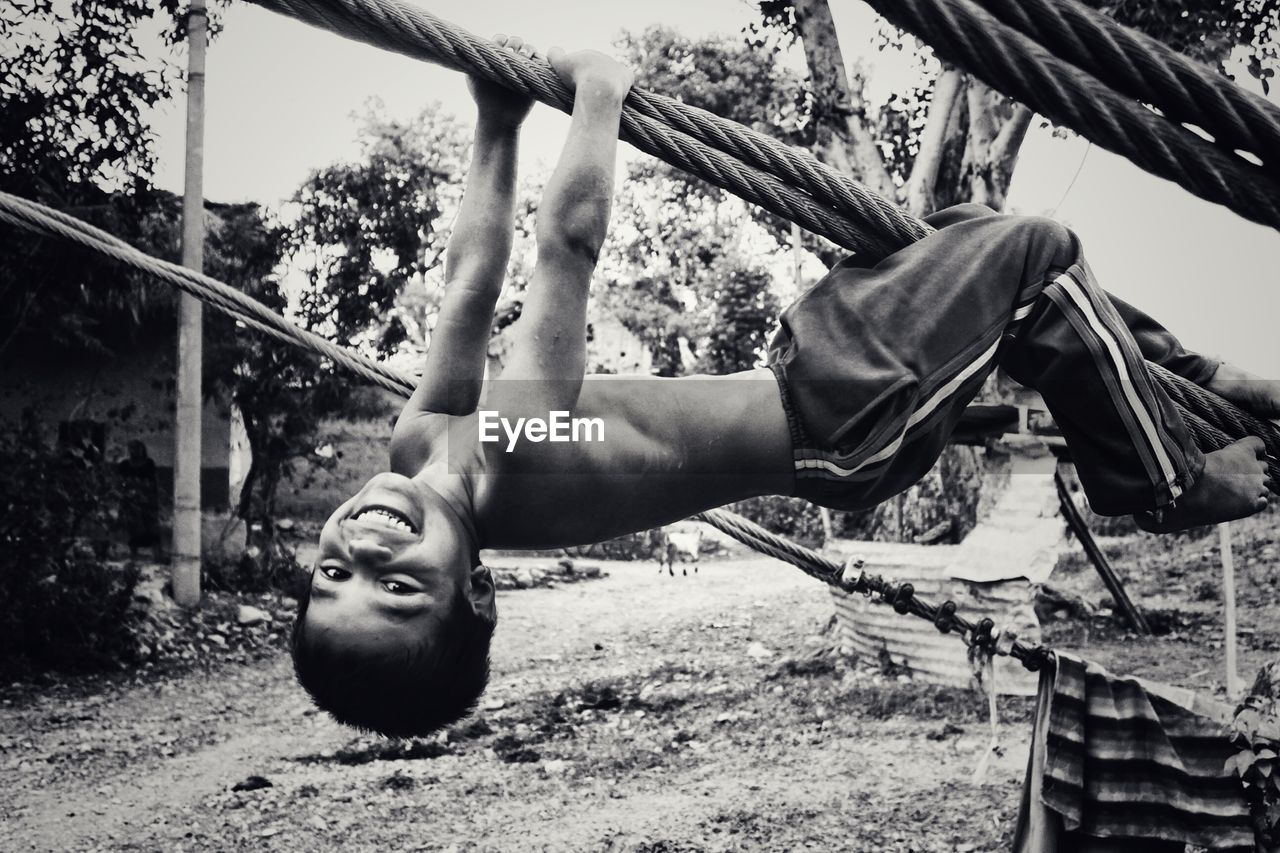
(480, 594)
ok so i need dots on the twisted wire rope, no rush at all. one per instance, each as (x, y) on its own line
(45, 220)
(834, 574)
(782, 179)
(1010, 62)
(1137, 65)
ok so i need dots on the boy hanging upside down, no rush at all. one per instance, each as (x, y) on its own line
(867, 377)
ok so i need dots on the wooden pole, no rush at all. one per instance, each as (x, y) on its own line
(1234, 685)
(1100, 562)
(187, 452)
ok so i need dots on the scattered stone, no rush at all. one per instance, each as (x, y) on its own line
(946, 731)
(399, 781)
(247, 615)
(284, 524)
(759, 652)
(253, 783)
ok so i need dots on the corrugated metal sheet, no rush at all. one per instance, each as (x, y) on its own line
(866, 628)
(986, 576)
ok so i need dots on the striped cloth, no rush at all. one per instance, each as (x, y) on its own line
(1127, 759)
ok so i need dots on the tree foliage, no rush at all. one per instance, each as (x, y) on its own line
(366, 229)
(684, 265)
(978, 130)
(679, 275)
(77, 80)
(59, 605)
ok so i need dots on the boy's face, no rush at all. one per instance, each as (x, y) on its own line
(391, 562)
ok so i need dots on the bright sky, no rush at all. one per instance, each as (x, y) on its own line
(280, 96)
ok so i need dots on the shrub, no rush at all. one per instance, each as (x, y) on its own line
(61, 604)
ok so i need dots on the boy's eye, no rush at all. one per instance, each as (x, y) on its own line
(335, 573)
(397, 588)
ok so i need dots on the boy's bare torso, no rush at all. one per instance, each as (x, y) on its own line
(663, 449)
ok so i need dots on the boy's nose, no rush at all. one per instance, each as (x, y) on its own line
(370, 550)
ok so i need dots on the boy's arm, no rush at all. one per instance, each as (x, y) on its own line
(475, 260)
(548, 351)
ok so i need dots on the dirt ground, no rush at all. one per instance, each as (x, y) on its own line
(639, 712)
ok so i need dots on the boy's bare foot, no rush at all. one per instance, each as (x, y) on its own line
(1258, 396)
(591, 73)
(499, 104)
(1233, 485)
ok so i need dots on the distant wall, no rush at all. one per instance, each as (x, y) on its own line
(360, 450)
(131, 395)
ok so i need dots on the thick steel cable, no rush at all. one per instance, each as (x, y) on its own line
(782, 179)
(44, 220)
(1141, 67)
(966, 35)
(1216, 422)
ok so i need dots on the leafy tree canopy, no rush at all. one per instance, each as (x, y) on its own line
(77, 80)
(364, 230)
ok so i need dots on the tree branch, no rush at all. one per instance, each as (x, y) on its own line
(919, 191)
(844, 138)
(1009, 140)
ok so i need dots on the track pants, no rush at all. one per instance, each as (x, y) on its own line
(877, 365)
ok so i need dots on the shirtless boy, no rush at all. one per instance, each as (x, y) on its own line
(865, 380)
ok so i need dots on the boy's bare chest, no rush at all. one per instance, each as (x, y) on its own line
(635, 452)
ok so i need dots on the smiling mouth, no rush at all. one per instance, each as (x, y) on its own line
(385, 517)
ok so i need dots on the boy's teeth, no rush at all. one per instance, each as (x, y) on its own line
(384, 518)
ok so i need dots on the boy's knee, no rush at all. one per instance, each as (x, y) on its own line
(958, 213)
(1046, 242)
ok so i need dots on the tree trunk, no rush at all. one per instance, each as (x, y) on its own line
(996, 129)
(947, 94)
(843, 135)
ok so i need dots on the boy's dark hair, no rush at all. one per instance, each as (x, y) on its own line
(411, 694)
